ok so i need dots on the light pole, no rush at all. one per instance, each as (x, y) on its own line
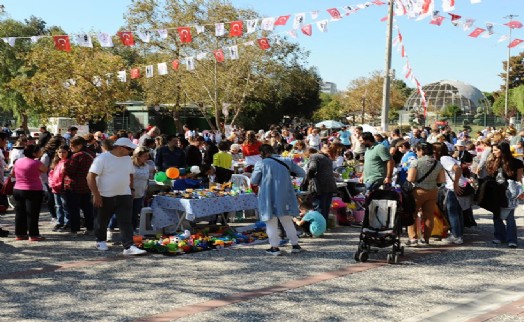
(387, 77)
(506, 99)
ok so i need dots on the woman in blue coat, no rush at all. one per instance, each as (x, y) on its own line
(277, 200)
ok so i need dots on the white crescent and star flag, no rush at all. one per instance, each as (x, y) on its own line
(335, 14)
(299, 20)
(145, 36)
(282, 20)
(475, 33)
(220, 29)
(62, 43)
(251, 25)
(105, 39)
(163, 33)
(185, 34)
(127, 38)
(233, 52)
(219, 55)
(149, 71)
(236, 28)
(200, 29)
(190, 63)
(84, 40)
(122, 76)
(162, 68)
(268, 24)
(322, 25)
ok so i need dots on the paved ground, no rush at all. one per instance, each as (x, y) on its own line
(67, 279)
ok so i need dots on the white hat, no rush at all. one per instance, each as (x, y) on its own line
(460, 143)
(125, 142)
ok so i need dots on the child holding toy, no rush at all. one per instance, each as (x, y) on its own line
(311, 221)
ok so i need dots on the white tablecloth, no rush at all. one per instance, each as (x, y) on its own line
(168, 211)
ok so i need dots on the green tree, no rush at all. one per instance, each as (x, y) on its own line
(451, 111)
(516, 72)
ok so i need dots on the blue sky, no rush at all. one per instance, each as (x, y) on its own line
(352, 48)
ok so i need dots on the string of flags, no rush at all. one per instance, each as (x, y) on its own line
(186, 33)
(408, 71)
(421, 9)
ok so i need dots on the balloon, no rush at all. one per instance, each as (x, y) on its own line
(182, 171)
(172, 173)
(160, 176)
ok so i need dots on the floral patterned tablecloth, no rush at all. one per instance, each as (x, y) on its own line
(167, 210)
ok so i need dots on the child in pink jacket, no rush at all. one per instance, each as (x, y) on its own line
(56, 182)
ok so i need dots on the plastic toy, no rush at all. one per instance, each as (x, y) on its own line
(160, 177)
(172, 173)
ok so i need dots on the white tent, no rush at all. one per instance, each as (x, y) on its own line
(330, 124)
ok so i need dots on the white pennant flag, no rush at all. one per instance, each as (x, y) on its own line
(475, 1)
(34, 39)
(163, 33)
(314, 14)
(467, 25)
(190, 63)
(105, 39)
(162, 69)
(322, 25)
(448, 5)
(97, 81)
(10, 40)
(361, 6)
(84, 40)
(122, 76)
(109, 79)
(268, 24)
(200, 29)
(278, 40)
(503, 38)
(145, 36)
(252, 25)
(292, 33)
(201, 56)
(299, 20)
(149, 71)
(489, 28)
(249, 43)
(349, 10)
(70, 82)
(220, 29)
(233, 52)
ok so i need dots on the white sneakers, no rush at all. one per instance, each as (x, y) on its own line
(133, 250)
(109, 236)
(453, 240)
(102, 246)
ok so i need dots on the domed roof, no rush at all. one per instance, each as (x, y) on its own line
(449, 92)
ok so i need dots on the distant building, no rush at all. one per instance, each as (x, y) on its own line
(329, 88)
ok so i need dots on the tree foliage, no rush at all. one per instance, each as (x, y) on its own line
(451, 111)
(516, 72)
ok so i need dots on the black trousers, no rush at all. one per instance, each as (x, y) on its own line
(122, 207)
(27, 211)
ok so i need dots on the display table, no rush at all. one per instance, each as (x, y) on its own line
(169, 211)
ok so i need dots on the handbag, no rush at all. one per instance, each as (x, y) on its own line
(408, 186)
(468, 190)
(8, 187)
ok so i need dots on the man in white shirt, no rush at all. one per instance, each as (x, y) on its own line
(110, 180)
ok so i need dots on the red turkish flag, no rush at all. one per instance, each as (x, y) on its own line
(185, 34)
(135, 73)
(175, 64)
(514, 24)
(307, 30)
(334, 13)
(62, 43)
(236, 28)
(281, 21)
(476, 32)
(437, 20)
(378, 2)
(426, 6)
(515, 43)
(384, 19)
(403, 53)
(263, 43)
(219, 55)
(126, 37)
(454, 17)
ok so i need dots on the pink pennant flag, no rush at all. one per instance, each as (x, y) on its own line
(403, 53)
(335, 14)
(378, 2)
(437, 20)
(514, 24)
(219, 55)
(515, 43)
(407, 74)
(384, 19)
(307, 30)
(476, 32)
(282, 20)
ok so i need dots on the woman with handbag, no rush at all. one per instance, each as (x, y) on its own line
(425, 173)
(28, 193)
(503, 165)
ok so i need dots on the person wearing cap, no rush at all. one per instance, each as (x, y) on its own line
(71, 133)
(110, 180)
(461, 154)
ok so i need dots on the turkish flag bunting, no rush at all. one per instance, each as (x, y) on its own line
(378, 2)
(219, 55)
(307, 30)
(263, 43)
(236, 28)
(383, 19)
(62, 43)
(126, 37)
(477, 32)
(334, 13)
(437, 20)
(454, 17)
(185, 34)
(515, 43)
(135, 73)
(403, 54)
(282, 20)
(514, 24)
(175, 64)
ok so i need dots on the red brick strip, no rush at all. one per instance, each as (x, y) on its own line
(515, 308)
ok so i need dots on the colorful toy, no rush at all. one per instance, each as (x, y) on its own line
(160, 177)
(172, 173)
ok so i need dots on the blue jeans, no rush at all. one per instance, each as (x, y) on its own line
(322, 203)
(113, 223)
(62, 216)
(456, 220)
(75, 202)
(506, 233)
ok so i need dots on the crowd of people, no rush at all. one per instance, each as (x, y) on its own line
(106, 177)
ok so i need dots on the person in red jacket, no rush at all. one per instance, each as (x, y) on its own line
(250, 151)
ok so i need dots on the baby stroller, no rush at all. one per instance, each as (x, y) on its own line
(381, 226)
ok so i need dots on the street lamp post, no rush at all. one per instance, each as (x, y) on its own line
(506, 99)
(387, 77)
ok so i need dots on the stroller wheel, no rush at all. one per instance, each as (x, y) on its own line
(356, 256)
(363, 257)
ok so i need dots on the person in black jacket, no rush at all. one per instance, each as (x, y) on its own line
(193, 153)
(44, 136)
(210, 150)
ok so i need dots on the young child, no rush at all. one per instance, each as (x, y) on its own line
(311, 221)
(223, 163)
(56, 182)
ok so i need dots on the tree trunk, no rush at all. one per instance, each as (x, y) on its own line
(24, 120)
